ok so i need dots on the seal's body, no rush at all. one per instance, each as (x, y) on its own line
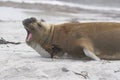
(96, 40)
(101, 38)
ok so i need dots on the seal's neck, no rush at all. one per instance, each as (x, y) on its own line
(48, 36)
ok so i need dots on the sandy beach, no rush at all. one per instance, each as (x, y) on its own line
(21, 62)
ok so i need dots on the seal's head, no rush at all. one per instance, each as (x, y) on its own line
(36, 30)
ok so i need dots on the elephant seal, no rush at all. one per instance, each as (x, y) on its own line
(91, 40)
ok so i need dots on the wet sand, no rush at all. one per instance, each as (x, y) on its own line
(39, 6)
(79, 13)
(48, 7)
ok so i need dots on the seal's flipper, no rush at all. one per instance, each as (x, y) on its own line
(91, 54)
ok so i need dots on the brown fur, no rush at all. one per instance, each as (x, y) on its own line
(101, 38)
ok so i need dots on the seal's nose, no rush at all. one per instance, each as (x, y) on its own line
(27, 21)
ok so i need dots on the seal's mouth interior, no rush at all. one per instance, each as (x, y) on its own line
(26, 24)
(29, 35)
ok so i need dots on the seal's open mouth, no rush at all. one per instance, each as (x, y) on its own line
(26, 24)
(29, 36)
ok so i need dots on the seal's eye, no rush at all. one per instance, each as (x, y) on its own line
(42, 20)
(39, 24)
